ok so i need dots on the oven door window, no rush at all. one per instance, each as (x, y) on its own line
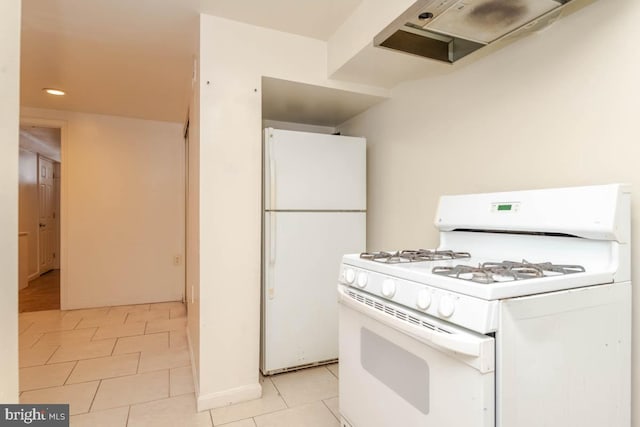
(402, 371)
(388, 378)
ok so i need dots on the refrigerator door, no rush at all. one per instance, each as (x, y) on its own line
(302, 256)
(310, 171)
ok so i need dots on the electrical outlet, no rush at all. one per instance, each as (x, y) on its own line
(177, 260)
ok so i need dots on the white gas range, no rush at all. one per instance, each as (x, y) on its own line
(521, 317)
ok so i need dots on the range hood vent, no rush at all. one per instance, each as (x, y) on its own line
(448, 30)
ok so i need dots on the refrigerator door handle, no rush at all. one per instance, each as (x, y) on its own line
(272, 255)
(272, 238)
(272, 177)
(272, 203)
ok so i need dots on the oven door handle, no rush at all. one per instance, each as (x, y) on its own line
(462, 343)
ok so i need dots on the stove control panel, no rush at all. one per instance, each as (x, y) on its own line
(463, 310)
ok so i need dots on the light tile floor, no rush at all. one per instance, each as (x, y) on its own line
(129, 366)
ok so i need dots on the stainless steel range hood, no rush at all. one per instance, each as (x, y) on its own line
(447, 30)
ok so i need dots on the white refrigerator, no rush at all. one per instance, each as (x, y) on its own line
(314, 198)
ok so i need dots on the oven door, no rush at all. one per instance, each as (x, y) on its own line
(399, 368)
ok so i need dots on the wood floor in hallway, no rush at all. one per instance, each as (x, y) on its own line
(42, 293)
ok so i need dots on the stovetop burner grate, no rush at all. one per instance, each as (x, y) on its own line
(492, 272)
(411, 255)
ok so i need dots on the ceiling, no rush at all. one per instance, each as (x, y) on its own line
(134, 58)
(317, 19)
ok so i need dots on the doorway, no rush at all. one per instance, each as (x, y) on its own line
(39, 218)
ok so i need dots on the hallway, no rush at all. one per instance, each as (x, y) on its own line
(42, 293)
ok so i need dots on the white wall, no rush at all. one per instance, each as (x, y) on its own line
(558, 108)
(9, 113)
(28, 206)
(122, 209)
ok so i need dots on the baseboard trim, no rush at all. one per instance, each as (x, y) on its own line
(220, 398)
(228, 397)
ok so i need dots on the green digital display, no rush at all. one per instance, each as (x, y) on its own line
(504, 207)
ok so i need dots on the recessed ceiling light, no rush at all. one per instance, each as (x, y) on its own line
(56, 92)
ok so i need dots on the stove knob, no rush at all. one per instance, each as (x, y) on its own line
(424, 299)
(388, 288)
(362, 280)
(447, 306)
(349, 275)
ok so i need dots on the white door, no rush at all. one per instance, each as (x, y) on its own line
(46, 214)
(302, 256)
(310, 171)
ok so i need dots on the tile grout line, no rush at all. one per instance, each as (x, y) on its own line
(168, 383)
(96, 379)
(72, 360)
(36, 342)
(94, 396)
(69, 330)
(49, 364)
(76, 325)
(275, 411)
(54, 352)
(331, 372)
(131, 405)
(58, 386)
(94, 333)
(327, 406)
(28, 327)
(278, 390)
(114, 346)
(128, 416)
(162, 369)
(100, 379)
(71, 372)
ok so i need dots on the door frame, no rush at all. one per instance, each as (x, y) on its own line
(63, 216)
(186, 294)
